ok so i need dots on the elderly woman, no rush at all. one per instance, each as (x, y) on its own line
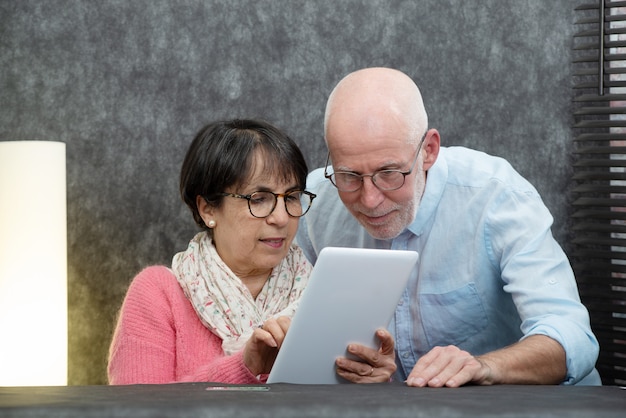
(222, 310)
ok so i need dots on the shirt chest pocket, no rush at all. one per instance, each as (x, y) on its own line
(453, 317)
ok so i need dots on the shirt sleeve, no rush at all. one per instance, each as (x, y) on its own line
(155, 327)
(304, 242)
(303, 238)
(538, 275)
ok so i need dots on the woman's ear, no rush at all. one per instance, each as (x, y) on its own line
(432, 142)
(205, 210)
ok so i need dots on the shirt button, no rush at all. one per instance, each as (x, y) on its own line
(405, 354)
(401, 302)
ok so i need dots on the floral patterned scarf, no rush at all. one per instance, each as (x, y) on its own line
(221, 300)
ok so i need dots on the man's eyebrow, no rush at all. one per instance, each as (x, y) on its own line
(386, 166)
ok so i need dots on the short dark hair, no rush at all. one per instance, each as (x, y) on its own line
(222, 155)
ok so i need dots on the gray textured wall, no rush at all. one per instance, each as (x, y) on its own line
(126, 84)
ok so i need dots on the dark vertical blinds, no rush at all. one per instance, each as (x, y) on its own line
(599, 215)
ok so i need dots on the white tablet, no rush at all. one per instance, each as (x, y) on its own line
(351, 293)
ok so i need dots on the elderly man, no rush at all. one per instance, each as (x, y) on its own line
(493, 299)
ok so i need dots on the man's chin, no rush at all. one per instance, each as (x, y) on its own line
(379, 228)
(382, 232)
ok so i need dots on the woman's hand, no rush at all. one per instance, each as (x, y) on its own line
(261, 349)
(376, 366)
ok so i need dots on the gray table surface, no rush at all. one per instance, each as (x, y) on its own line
(283, 400)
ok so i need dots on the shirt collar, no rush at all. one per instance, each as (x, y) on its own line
(435, 185)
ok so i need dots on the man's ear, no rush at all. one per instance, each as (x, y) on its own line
(431, 146)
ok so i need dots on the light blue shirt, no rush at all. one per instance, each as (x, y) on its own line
(490, 272)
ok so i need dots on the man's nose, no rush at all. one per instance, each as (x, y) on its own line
(371, 196)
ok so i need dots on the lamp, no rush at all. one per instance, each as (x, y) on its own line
(33, 264)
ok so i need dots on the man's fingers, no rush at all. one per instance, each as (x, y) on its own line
(444, 366)
(386, 341)
(356, 372)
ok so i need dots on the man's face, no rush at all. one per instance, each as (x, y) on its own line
(384, 214)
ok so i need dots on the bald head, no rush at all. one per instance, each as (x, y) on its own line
(378, 99)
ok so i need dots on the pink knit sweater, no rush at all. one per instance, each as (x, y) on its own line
(160, 339)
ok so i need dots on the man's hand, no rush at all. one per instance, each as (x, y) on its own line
(536, 360)
(375, 366)
(448, 366)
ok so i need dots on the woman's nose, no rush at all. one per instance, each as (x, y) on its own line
(279, 215)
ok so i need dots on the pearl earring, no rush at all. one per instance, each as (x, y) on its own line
(211, 224)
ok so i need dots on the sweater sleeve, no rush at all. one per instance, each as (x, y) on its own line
(160, 339)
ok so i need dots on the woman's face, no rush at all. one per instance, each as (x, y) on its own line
(252, 246)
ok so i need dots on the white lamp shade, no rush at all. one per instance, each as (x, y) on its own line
(33, 264)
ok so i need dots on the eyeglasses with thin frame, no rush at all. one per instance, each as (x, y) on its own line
(261, 204)
(385, 180)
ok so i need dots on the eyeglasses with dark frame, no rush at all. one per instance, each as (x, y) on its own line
(262, 203)
(385, 180)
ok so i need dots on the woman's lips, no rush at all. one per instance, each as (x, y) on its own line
(274, 242)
